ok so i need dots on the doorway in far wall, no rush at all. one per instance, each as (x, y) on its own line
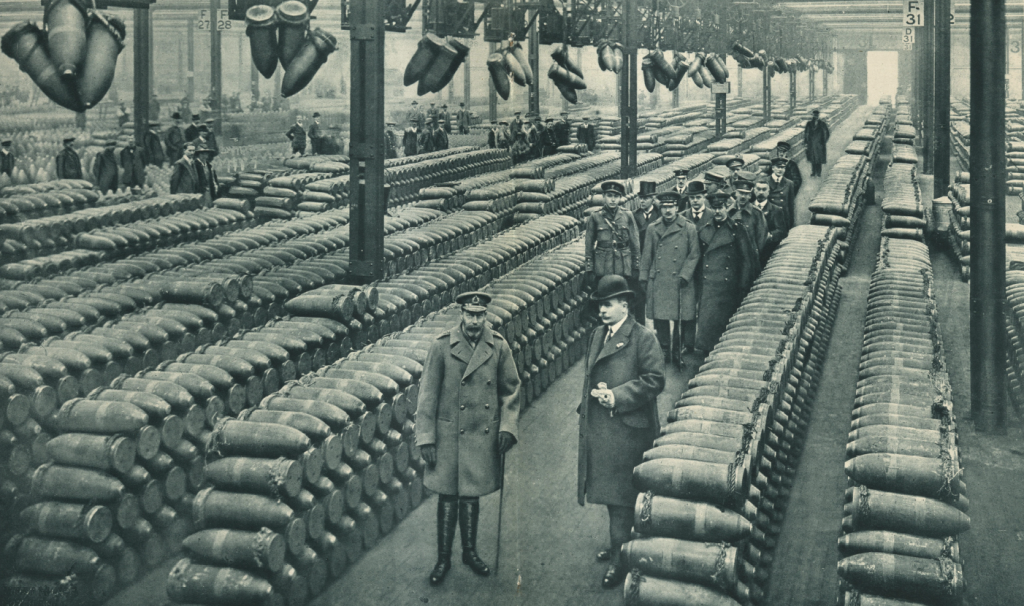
(883, 75)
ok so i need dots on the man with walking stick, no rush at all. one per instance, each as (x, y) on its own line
(467, 418)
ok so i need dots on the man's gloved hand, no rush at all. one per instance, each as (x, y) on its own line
(429, 452)
(505, 442)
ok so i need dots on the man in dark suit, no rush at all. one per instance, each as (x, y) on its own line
(586, 134)
(207, 176)
(410, 139)
(751, 218)
(104, 168)
(696, 193)
(445, 119)
(563, 128)
(462, 119)
(69, 165)
(210, 136)
(781, 190)
(175, 139)
(6, 158)
(316, 136)
(184, 178)
(776, 221)
(152, 148)
(549, 138)
(133, 169)
(647, 213)
(390, 141)
(297, 135)
(467, 418)
(192, 130)
(816, 135)
(439, 138)
(624, 373)
(792, 170)
(727, 269)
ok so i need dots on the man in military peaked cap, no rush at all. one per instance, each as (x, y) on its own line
(467, 418)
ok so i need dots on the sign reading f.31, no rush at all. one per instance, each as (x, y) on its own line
(913, 13)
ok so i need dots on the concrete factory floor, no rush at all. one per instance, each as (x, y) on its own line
(549, 542)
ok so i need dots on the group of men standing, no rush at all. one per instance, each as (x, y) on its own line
(105, 166)
(530, 138)
(427, 131)
(318, 141)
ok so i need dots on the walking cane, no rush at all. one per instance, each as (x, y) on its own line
(501, 504)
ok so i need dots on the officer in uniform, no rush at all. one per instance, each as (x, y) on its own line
(390, 142)
(781, 192)
(6, 158)
(549, 138)
(745, 213)
(410, 139)
(467, 418)
(432, 115)
(69, 165)
(563, 129)
(612, 242)
(516, 125)
(211, 137)
(792, 170)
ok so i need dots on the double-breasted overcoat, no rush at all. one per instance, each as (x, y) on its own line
(467, 396)
(728, 267)
(632, 365)
(671, 252)
(782, 193)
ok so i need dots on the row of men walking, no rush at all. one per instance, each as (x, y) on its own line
(691, 254)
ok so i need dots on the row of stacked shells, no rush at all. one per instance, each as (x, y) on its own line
(283, 35)
(73, 59)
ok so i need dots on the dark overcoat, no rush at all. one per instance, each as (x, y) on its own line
(782, 194)
(644, 221)
(175, 144)
(792, 173)
(440, 139)
(728, 267)
(612, 244)
(424, 141)
(184, 178)
(587, 135)
(777, 224)
(104, 169)
(69, 166)
(6, 163)
(756, 224)
(671, 252)
(153, 149)
(632, 365)
(297, 135)
(409, 144)
(133, 173)
(467, 396)
(816, 135)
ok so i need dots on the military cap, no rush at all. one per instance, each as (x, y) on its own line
(463, 104)
(613, 187)
(671, 198)
(681, 172)
(586, 118)
(444, 105)
(816, 112)
(783, 146)
(153, 123)
(390, 124)
(564, 114)
(735, 162)
(716, 176)
(110, 143)
(503, 123)
(549, 119)
(69, 140)
(744, 180)
(516, 113)
(780, 162)
(473, 301)
(432, 103)
(719, 197)
(176, 116)
(696, 187)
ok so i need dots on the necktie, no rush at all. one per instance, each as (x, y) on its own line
(608, 335)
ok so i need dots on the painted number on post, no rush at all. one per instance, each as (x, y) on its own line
(913, 13)
(222, 23)
(908, 35)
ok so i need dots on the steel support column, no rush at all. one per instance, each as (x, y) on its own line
(534, 58)
(941, 101)
(142, 85)
(216, 82)
(739, 82)
(190, 66)
(627, 91)
(824, 83)
(988, 215)
(467, 80)
(366, 151)
(492, 93)
(720, 119)
(928, 133)
(810, 83)
(766, 96)
(254, 82)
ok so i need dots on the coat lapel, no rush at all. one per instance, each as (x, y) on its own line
(459, 347)
(480, 355)
(618, 341)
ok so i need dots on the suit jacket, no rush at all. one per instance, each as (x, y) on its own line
(587, 135)
(705, 216)
(152, 149)
(175, 143)
(133, 170)
(756, 224)
(191, 133)
(184, 178)
(69, 166)
(104, 169)
(777, 225)
(409, 142)
(297, 135)
(728, 267)
(783, 194)
(467, 396)
(642, 223)
(632, 365)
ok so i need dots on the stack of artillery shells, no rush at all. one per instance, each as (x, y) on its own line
(714, 488)
(907, 500)
(1014, 332)
(905, 213)
(959, 222)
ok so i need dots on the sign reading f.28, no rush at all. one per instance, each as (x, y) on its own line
(913, 13)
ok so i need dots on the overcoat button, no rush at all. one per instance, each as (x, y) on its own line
(487, 405)
(487, 430)
(463, 407)
(462, 431)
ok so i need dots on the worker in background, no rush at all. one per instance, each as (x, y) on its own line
(192, 131)
(467, 418)
(563, 130)
(123, 117)
(410, 139)
(104, 168)
(504, 135)
(445, 119)
(431, 115)
(781, 190)
(206, 174)
(680, 186)
(520, 149)
(816, 135)
(515, 125)
(646, 214)
(728, 267)
(6, 158)
(492, 135)
(184, 178)
(776, 221)
(462, 119)
(425, 138)
(586, 134)
(185, 107)
(175, 139)
(623, 374)
(671, 254)
(390, 141)
(439, 138)
(535, 136)
(612, 242)
(792, 170)
(417, 116)
(549, 139)
(316, 136)
(152, 148)
(133, 169)
(210, 136)
(746, 214)
(69, 165)
(297, 135)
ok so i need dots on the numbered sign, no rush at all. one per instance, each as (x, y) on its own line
(908, 36)
(952, 13)
(913, 13)
(223, 22)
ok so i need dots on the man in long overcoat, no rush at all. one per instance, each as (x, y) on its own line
(728, 267)
(462, 119)
(586, 134)
(612, 242)
(623, 374)
(445, 119)
(175, 139)
(6, 158)
(416, 115)
(816, 134)
(410, 144)
(671, 254)
(316, 136)
(792, 170)
(390, 141)
(439, 138)
(751, 218)
(467, 418)
(776, 221)
(184, 178)
(297, 135)
(133, 170)
(780, 190)
(646, 214)
(152, 148)
(69, 165)
(104, 168)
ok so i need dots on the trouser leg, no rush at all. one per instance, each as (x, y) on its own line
(688, 331)
(661, 328)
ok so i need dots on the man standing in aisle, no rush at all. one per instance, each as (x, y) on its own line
(69, 165)
(467, 418)
(297, 135)
(152, 148)
(207, 176)
(563, 129)
(432, 115)
(425, 139)
(175, 139)
(792, 171)
(192, 131)
(133, 169)
(671, 254)
(781, 190)
(316, 136)
(727, 268)
(816, 135)
(410, 139)
(462, 119)
(445, 119)
(612, 241)
(6, 158)
(210, 136)
(417, 116)
(586, 135)
(644, 216)
(549, 138)
(776, 221)
(623, 374)
(751, 218)
(104, 168)
(516, 125)
(390, 141)
(439, 138)
(184, 178)
(696, 193)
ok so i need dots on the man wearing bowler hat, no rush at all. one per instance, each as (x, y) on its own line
(696, 193)
(184, 177)
(816, 135)
(586, 134)
(69, 165)
(467, 418)
(192, 131)
(175, 139)
(152, 147)
(623, 374)
(612, 242)
(316, 135)
(462, 119)
(104, 168)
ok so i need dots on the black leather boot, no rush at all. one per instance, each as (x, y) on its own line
(469, 517)
(447, 517)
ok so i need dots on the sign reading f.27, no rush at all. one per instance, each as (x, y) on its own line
(913, 13)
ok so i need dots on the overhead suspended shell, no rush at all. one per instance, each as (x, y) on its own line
(66, 37)
(292, 23)
(26, 44)
(426, 50)
(105, 42)
(304, 66)
(261, 27)
(499, 75)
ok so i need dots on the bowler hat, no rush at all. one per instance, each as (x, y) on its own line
(414, 102)
(696, 187)
(647, 188)
(316, 114)
(69, 139)
(6, 142)
(176, 116)
(195, 117)
(613, 186)
(609, 287)
(681, 172)
(474, 301)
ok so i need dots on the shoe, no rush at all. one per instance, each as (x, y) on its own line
(469, 516)
(604, 555)
(614, 577)
(447, 517)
